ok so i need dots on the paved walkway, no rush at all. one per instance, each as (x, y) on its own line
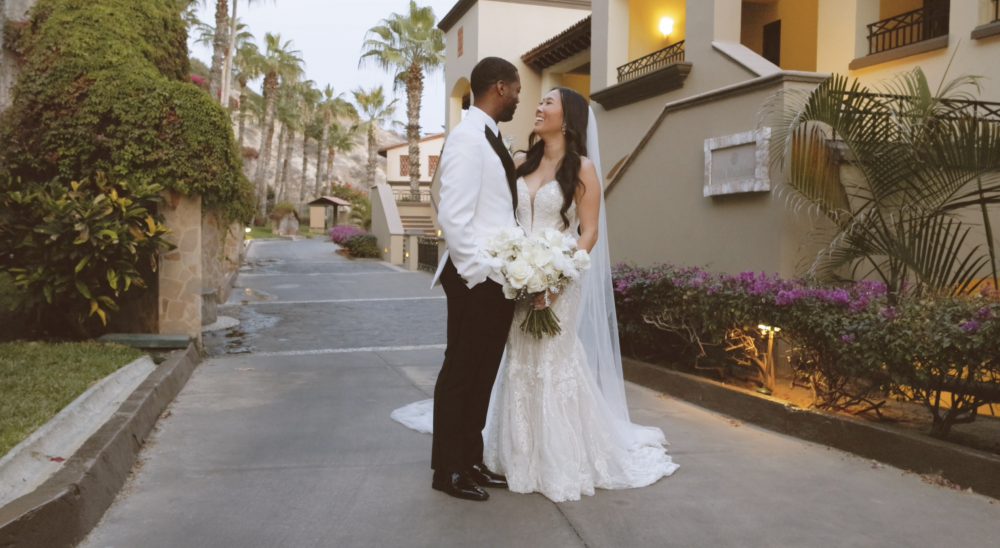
(288, 443)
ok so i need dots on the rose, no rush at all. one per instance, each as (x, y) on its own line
(538, 256)
(509, 292)
(552, 237)
(581, 259)
(536, 284)
(518, 273)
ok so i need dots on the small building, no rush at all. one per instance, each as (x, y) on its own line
(397, 168)
(320, 218)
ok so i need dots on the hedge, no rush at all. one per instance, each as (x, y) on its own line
(104, 87)
(362, 246)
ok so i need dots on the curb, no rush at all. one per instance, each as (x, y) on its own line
(908, 451)
(64, 509)
(27, 465)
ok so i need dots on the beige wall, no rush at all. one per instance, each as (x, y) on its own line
(428, 148)
(386, 225)
(644, 16)
(657, 211)
(799, 25)
(892, 8)
(843, 33)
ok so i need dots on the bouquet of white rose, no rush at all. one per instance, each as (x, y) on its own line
(545, 262)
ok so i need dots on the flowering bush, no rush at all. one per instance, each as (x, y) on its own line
(849, 344)
(340, 233)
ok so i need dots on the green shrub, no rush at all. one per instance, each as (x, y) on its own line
(74, 252)
(851, 345)
(362, 246)
(105, 87)
(280, 210)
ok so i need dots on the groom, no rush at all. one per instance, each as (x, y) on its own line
(478, 197)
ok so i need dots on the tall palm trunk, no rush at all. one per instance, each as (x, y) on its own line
(305, 166)
(372, 158)
(227, 63)
(414, 90)
(329, 161)
(219, 46)
(320, 174)
(319, 168)
(281, 155)
(270, 89)
(243, 112)
(284, 167)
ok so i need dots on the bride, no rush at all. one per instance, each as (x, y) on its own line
(558, 422)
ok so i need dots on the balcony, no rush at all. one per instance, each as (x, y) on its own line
(992, 28)
(648, 76)
(911, 33)
(407, 196)
(908, 28)
(669, 55)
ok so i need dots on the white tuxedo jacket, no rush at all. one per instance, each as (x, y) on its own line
(475, 197)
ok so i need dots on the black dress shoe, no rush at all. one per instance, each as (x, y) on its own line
(458, 485)
(485, 478)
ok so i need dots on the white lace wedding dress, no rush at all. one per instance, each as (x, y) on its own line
(550, 430)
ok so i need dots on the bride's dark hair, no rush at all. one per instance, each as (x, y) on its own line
(575, 116)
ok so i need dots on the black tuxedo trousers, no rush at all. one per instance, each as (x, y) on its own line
(478, 322)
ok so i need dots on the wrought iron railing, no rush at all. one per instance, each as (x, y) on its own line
(961, 108)
(909, 28)
(673, 53)
(408, 196)
(427, 254)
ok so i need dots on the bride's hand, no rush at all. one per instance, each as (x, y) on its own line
(539, 300)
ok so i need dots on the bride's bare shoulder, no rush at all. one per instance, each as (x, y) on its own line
(587, 169)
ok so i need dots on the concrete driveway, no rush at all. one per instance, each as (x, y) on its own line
(283, 439)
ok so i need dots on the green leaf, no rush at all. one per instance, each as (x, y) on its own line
(81, 264)
(83, 289)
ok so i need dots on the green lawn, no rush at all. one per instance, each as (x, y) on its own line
(38, 379)
(265, 232)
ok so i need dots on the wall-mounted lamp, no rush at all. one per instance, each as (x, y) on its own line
(439, 233)
(407, 254)
(386, 250)
(666, 26)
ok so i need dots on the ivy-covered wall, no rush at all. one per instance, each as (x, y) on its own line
(104, 86)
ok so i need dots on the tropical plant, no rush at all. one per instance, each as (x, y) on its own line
(290, 113)
(922, 162)
(74, 250)
(361, 212)
(408, 45)
(285, 111)
(231, 47)
(375, 112)
(330, 108)
(309, 96)
(278, 63)
(219, 43)
(340, 139)
(246, 68)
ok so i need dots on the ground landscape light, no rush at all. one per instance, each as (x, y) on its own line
(248, 229)
(666, 26)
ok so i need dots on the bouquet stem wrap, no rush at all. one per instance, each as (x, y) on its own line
(541, 323)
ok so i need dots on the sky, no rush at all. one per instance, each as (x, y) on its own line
(329, 34)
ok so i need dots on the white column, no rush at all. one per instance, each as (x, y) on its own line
(727, 20)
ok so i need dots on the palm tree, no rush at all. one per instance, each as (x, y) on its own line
(330, 107)
(246, 68)
(230, 47)
(309, 96)
(278, 63)
(924, 160)
(220, 40)
(341, 139)
(375, 113)
(288, 114)
(409, 45)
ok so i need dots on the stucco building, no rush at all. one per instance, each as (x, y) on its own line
(678, 86)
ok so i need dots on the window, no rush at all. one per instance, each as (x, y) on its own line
(404, 166)
(433, 164)
(461, 34)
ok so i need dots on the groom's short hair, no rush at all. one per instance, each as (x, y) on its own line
(488, 72)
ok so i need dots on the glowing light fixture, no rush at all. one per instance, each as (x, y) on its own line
(407, 254)
(248, 230)
(439, 233)
(387, 250)
(666, 26)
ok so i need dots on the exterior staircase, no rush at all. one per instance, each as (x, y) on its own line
(418, 222)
